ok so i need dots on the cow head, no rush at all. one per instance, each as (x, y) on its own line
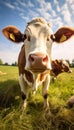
(59, 66)
(65, 66)
(38, 38)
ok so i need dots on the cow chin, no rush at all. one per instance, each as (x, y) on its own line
(37, 69)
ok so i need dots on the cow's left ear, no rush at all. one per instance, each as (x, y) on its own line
(63, 34)
(12, 33)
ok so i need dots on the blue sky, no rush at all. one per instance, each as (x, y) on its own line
(18, 12)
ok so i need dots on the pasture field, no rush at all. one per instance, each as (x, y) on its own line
(35, 117)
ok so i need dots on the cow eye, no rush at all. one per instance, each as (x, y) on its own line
(27, 37)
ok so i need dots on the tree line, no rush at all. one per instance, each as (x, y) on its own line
(15, 63)
(6, 63)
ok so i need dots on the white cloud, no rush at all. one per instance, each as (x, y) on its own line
(21, 3)
(58, 8)
(63, 51)
(72, 7)
(55, 2)
(57, 5)
(25, 4)
(53, 13)
(66, 14)
(9, 5)
(8, 56)
(43, 13)
(30, 4)
(45, 9)
(9, 52)
(18, 8)
(56, 22)
(70, 1)
(33, 14)
(22, 15)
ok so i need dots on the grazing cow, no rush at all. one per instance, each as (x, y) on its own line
(59, 66)
(35, 68)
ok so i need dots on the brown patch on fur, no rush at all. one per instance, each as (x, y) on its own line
(21, 61)
(43, 75)
(21, 65)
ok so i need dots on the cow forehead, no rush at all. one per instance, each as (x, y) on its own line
(37, 20)
(35, 28)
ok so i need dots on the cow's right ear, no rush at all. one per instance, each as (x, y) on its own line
(12, 33)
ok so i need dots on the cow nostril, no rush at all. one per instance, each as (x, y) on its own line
(31, 59)
(45, 59)
(38, 60)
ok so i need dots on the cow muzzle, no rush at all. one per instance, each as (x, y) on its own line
(38, 62)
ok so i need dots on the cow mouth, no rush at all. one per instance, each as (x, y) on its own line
(39, 70)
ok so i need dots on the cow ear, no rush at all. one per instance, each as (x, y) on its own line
(63, 34)
(12, 33)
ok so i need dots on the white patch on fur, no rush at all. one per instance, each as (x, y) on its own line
(46, 85)
(29, 83)
(23, 85)
(21, 82)
(45, 90)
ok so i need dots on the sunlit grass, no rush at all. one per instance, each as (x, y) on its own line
(11, 73)
(35, 118)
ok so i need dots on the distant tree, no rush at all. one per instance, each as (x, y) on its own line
(1, 62)
(72, 64)
(6, 63)
(14, 64)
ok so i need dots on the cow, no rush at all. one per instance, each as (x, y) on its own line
(58, 67)
(34, 68)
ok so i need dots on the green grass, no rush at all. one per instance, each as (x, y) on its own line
(35, 118)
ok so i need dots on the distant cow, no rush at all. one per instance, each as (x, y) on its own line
(35, 68)
(59, 66)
